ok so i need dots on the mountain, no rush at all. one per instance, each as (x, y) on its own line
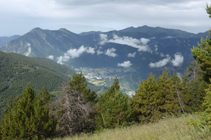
(4, 40)
(17, 71)
(159, 32)
(42, 43)
(130, 54)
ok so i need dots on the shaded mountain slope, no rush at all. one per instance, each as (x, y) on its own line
(16, 71)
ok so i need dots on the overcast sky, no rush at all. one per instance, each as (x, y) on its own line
(20, 16)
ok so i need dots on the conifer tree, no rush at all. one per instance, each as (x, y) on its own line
(79, 83)
(44, 97)
(153, 100)
(113, 108)
(166, 95)
(191, 88)
(27, 119)
(144, 100)
(202, 53)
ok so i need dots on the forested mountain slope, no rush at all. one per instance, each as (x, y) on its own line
(16, 71)
(130, 54)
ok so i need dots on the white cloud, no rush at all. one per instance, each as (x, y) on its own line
(140, 44)
(125, 64)
(132, 54)
(99, 52)
(90, 50)
(162, 55)
(74, 53)
(168, 37)
(144, 40)
(156, 48)
(111, 52)
(29, 50)
(178, 59)
(50, 57)
(103, 38)
(160, 63)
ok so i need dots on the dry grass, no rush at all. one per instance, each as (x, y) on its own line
(167, 129)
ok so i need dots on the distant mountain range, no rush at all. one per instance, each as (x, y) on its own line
(4, 40)
(142, 49)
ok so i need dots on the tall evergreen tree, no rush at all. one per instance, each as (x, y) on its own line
(191, 88)
(113, 108)
(166, 96)
(27, 119)
(153, 100)
(79, 83)
(202, 53)
(144, 103)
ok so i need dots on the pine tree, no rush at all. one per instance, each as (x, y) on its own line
(166, 95)
(202, 53)
(154, 100)
(144, 104)
(79, 83)
(113, 108)
(44, 97)
(191, 89)
(27, 119)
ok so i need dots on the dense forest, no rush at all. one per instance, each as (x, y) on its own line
(17, 71)
(77, 109)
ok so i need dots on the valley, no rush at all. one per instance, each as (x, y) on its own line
(130, 54)
(104, 77)
(127, 71)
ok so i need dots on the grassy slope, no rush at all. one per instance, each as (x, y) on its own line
(18, 70)
(166, 129)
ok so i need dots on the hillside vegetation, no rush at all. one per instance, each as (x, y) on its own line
(16, 71)
(170, 128)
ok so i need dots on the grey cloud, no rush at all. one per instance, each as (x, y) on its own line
(81, 15)
(94, 2)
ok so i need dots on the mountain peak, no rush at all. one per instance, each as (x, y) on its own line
(64, 30)
(36, 29)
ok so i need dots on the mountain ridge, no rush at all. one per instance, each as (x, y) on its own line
(143, 49)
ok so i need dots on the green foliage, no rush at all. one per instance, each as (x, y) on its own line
(113, 108)
(190, 88)
(205, 121)
(28, 117)
(79, 83)
(202, 53)
(16, 71)
(209, 10)
(154, 100)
